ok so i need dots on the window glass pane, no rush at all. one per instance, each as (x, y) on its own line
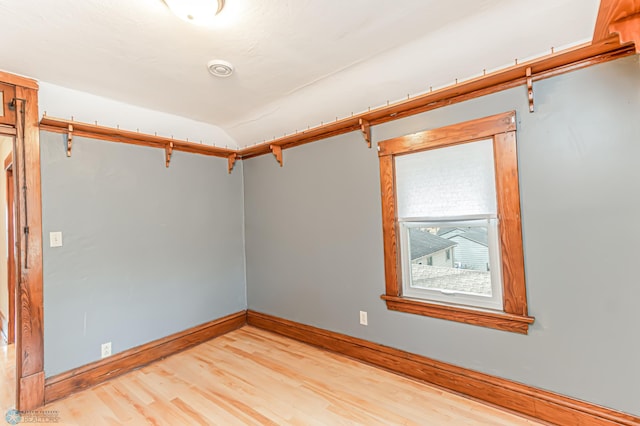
(450, 259)
(447, 182)
(1, 104)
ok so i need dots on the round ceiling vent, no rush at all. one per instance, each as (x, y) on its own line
(220, 68)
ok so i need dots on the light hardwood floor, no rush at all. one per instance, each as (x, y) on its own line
(251, 376)
(7, 378)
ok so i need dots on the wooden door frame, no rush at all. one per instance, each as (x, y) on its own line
(29, 321)
(11, 245)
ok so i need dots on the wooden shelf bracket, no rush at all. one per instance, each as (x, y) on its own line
(69, 139)
(277, 152)
(530, 89)
(168, 150)
(232, 160)
(365, 128)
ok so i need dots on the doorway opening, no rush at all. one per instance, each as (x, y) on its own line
(7, 277)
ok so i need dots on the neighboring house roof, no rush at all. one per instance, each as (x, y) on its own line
(439, 278)
(473, 234)
(425, 243)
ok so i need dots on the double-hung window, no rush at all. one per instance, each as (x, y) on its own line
(451, 223)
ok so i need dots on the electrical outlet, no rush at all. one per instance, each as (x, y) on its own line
(363, 318)
(106, 349)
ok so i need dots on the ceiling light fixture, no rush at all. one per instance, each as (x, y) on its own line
(220, 68)
(198, 12)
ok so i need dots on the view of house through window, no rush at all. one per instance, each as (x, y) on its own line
(448, 225)
(452, 261)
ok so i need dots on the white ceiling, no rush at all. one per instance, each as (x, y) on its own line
(298, 62)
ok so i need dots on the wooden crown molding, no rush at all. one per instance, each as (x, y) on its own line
(611, 14)
(628, 29)
(72, 381)
(518, 397)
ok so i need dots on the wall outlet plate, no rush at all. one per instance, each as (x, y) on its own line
(55, 239)
(105, 350)
(363, 318)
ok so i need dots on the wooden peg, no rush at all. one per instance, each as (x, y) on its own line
(365, 128)
(69, 139)
(168, 150)
(232, 160)
(530, 88)
(277, 152)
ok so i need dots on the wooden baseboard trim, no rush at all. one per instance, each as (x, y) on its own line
(31, 396)
(527, 400)
(72, 381)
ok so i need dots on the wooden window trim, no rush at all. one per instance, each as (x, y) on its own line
(501, 128)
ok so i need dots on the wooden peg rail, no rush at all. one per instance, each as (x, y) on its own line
(94, 131)
(603, 50)
(546, 66)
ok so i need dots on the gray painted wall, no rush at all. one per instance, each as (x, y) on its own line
(314, 239)
(148, 251)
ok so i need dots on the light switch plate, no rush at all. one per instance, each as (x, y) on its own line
(363, 318)
(55, 239)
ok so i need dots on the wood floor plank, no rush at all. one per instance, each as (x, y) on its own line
(253, 377)
(7, 377)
